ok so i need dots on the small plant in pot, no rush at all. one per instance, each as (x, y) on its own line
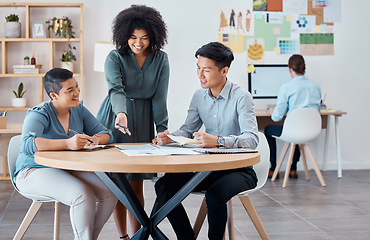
(19, 101)
(62, 27)
(12, 26)
(68, 57)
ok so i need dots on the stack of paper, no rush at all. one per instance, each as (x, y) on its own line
(19, 69)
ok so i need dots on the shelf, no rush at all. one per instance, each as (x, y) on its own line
(13, 48)
(14, 108)
(22, 75)
(41, 4)
(40, 40)
(30, 75)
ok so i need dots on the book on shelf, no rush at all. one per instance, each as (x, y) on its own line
(27, 66)
(25, 70)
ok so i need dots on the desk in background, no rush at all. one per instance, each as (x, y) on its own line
(112, 160)
(5, 136)
(264, 119)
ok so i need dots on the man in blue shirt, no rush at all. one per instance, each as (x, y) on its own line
(298, 93)
(227, 112)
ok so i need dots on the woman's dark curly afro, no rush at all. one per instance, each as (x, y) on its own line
(139, 17)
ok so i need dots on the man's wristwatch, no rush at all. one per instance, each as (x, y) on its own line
(221, 141)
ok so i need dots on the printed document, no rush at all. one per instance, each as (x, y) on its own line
(154, 150)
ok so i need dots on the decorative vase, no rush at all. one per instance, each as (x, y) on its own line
(12, 29)
(19, 102)
(58, 26)
(67, 65)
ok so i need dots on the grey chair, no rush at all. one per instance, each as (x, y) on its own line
(37, 201)
(261, 170)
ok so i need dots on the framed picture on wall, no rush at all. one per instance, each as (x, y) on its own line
(38, 30)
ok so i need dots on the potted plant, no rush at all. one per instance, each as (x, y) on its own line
(62, 27)
(12, 26)
(67, 58)
(19, 101)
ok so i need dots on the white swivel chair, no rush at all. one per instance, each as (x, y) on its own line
(261, 170)
(13, 151)
(300, 127)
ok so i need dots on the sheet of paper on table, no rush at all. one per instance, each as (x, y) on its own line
(153, 150)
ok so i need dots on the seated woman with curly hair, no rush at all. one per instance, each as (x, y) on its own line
(137, 74)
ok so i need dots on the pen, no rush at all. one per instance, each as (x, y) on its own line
(71, 130)
(119, 125)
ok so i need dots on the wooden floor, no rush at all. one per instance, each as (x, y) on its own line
(304, 210)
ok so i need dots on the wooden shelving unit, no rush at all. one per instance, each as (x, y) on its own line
(50, 45)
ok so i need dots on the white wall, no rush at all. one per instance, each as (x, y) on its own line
(192, 23)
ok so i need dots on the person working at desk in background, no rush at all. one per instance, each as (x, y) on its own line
(137, 74)
(300, 92)
(227, 112)
(48, 127)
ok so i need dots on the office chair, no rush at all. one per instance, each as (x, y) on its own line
(300, 127)
(261, 170)
(13, 151)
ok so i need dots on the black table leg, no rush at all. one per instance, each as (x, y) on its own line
(126, 195)
(128, 198)
(158, 216)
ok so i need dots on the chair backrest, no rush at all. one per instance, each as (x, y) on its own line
(301, 126)
(262, 168)
(13, 151)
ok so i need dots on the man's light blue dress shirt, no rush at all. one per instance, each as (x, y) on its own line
(230, 115)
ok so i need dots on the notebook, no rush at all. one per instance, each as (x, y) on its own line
(224, 150)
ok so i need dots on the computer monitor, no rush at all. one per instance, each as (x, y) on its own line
(266, 80)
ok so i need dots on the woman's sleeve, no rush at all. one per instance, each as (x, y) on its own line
(159, 100)
(281, 105)
(114, 78)
(33, 126)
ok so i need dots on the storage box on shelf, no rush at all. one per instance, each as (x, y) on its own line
(14, 48)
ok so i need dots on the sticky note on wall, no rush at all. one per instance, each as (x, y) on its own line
(277, 51)
(250, 68)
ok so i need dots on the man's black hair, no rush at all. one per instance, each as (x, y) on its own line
(219, 53)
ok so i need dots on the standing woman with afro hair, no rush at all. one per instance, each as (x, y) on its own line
(137, 74)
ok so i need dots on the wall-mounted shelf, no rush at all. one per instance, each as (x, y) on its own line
(48, 46)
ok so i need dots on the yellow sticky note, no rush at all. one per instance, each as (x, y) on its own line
(317, 29)
(289, 18)
(250, 68)
(277, 50)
